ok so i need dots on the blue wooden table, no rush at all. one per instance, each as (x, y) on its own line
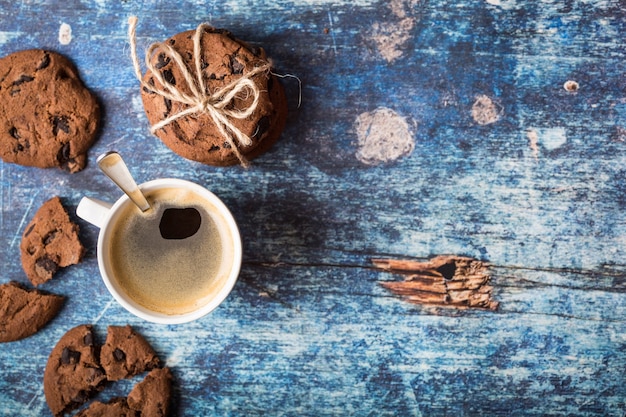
(490, 129)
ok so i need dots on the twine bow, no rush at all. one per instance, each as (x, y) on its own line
(215, 105)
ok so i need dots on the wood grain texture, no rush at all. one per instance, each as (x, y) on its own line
(453, 281)
(506, 166)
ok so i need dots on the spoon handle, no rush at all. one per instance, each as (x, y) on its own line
(112, 164)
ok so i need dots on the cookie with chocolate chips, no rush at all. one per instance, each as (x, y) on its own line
(126, 353)
(23, 312)
(73, 373)
(48, 118)
(50, 242)
(153, 395)
(224, 60)
(78, 368)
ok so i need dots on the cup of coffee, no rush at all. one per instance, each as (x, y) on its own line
(173, 263)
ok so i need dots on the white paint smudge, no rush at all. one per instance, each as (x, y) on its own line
(571, 86)
(137, 106)
(65, 34)
(552, 138)
(391, 36)
(8, 36)
(383, 136)
(402, 8)
(332, 31)
(533, 142)
(503, 4)
(548, 138)
(177, 356)
(485, 111)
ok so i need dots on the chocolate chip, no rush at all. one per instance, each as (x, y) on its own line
(168, 107)
(171, 41)
(88, 339)
(162, 60)
(63, 156)
(23, 79)
(47, 264)
(13, 133)
(62, 75)
(30, 229)
(214, 148)
(150, 83)
(69, 356)
(168, 77)
(236, 67)
(49, 237)
(45, 61)
(60, 123)
(119, 355)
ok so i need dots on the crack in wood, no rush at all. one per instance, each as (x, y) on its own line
(448, 281)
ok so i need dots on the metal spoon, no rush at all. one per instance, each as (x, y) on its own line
(112, 164)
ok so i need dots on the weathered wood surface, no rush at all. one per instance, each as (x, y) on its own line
(492, 158)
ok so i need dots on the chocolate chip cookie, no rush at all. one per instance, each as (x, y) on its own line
(224, 61)
(48, 118)
(78, 368)
(126, 353)
(152, 396)
(73, 373)
(50, 241)
(24, 312)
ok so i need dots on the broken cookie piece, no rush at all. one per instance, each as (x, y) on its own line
(126, 353)
(73, 373)
(117, 407)
(24, 312)
(152, 396)
(50, 241)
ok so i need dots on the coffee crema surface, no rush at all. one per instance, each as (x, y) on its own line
(170, 259)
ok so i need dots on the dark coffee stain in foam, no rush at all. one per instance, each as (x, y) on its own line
(179, 223)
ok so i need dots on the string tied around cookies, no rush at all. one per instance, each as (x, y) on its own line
(216, 105)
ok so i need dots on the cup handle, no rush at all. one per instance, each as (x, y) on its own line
(93, 210)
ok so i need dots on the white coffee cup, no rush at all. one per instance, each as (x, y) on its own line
(166, 279)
